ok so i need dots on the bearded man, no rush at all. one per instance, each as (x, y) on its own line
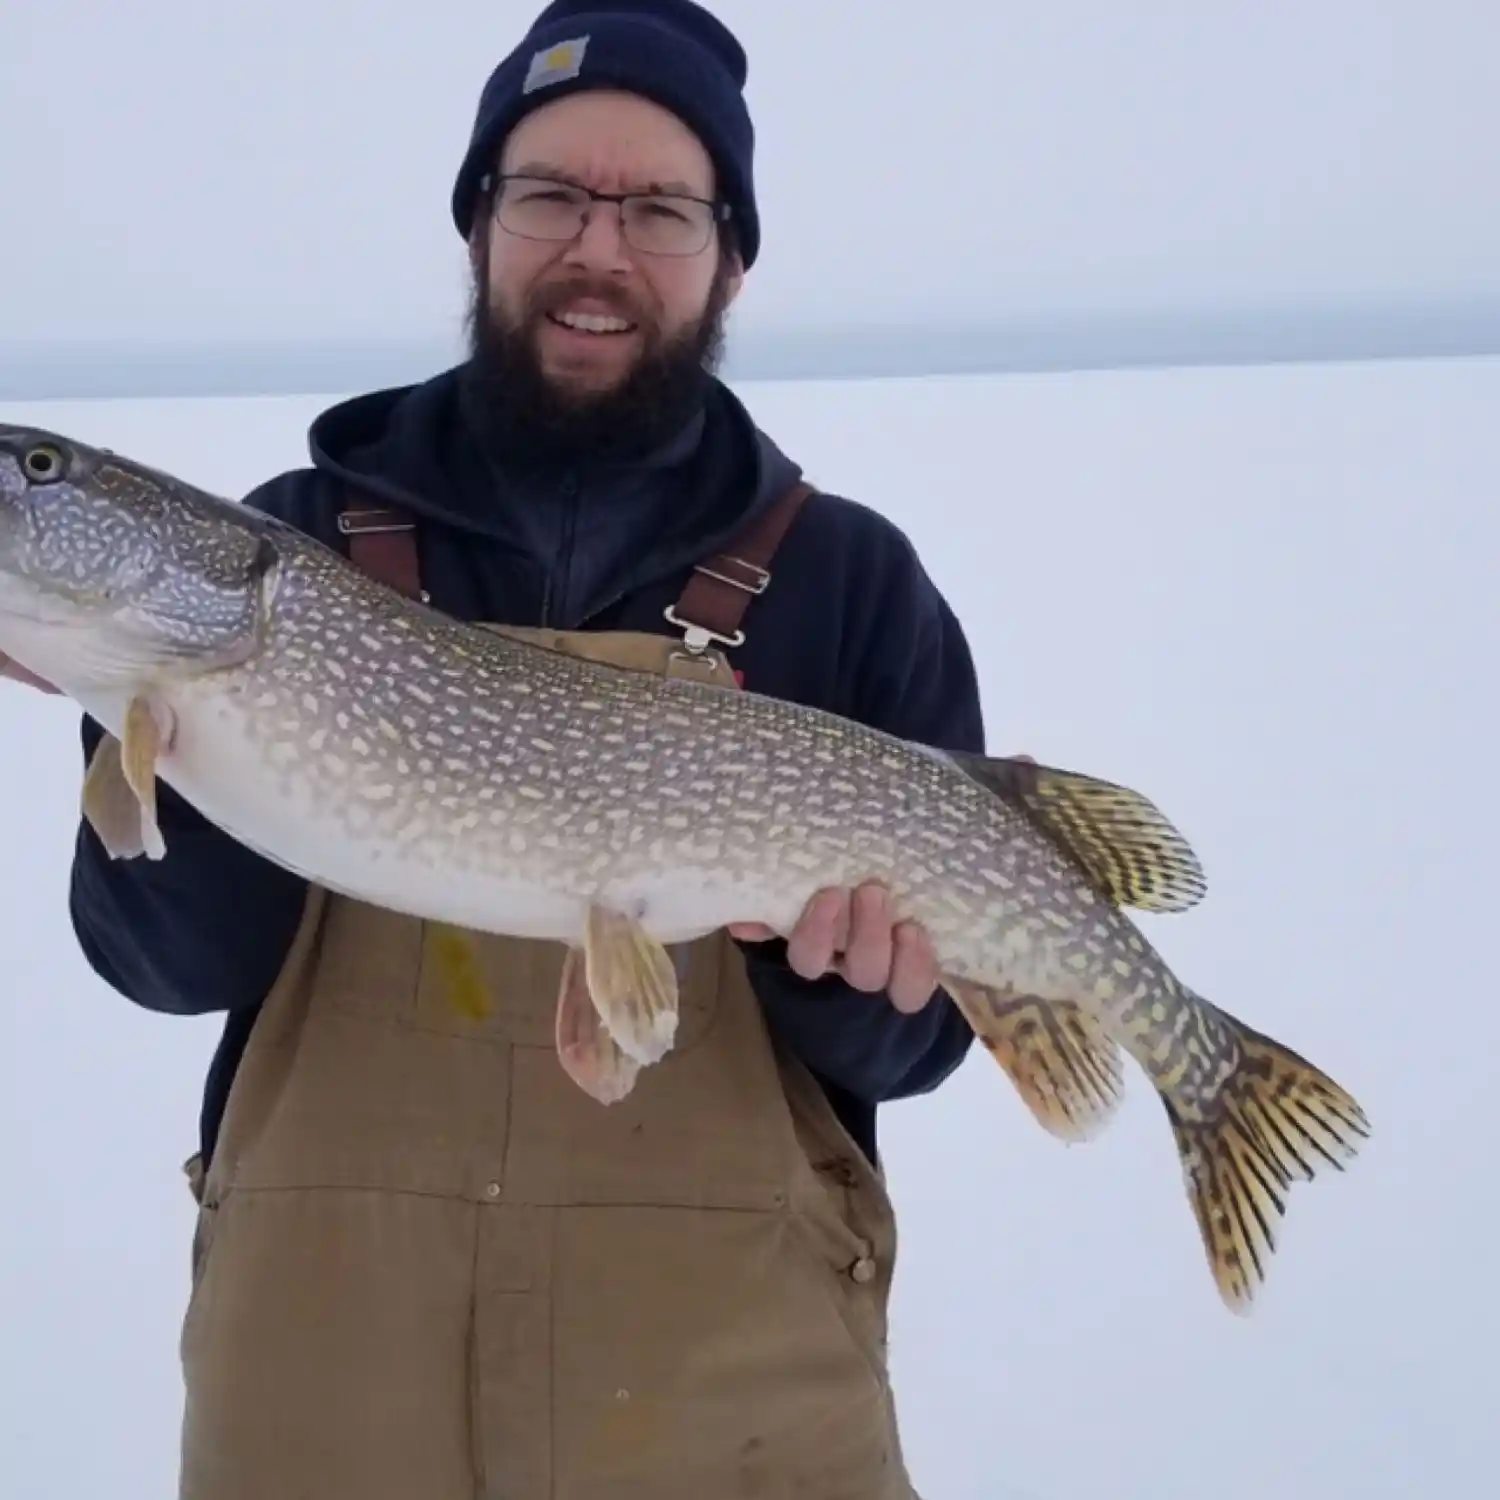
(427, 1261)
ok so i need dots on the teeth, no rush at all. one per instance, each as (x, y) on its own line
(594, 322)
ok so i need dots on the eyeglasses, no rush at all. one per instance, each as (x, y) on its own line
(543, 208)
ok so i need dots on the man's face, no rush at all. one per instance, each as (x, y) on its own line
(656, 318)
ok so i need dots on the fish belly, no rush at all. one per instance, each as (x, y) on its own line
(449, 873)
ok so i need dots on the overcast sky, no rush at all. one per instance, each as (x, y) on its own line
(1264, 597)
(205, 198)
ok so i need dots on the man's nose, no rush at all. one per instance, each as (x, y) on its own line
(600, 244)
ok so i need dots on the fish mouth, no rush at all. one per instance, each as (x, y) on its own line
(92, 640)
(25, 600)
(57, 644)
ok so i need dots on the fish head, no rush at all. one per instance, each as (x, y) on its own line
(114, 575)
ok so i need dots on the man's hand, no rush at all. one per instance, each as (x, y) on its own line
(850, 933)
(17, 673)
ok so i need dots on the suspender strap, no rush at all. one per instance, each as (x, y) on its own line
(722, 586)
(382, 543)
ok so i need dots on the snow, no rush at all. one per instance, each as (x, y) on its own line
(1264, 596)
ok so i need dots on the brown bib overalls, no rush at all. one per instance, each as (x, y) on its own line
(429, 1267)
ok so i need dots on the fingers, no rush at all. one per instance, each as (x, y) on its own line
(751, 932)
(821, 931)
(870, 945)
(914, 969)
(852, 933)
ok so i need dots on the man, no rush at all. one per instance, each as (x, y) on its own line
(426, 1263)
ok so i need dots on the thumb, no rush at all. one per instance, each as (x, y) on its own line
(750, 932)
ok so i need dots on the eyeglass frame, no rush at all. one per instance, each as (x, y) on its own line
(491, 182)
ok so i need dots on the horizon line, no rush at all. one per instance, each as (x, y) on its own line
(104, 371)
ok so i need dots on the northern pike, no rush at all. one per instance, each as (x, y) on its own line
(480, 779)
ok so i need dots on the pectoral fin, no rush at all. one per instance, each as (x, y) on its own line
(1066, 1068)
(119, 788)
(633, 983)
(109, 805)
(590, 1056)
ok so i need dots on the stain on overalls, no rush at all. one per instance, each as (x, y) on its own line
(429, 1267)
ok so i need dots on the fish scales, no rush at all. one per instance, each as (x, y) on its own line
(487, 782)
(469, 751)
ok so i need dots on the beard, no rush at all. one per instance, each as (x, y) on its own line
(532, 419)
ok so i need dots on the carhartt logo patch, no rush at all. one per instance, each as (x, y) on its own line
(555, 64)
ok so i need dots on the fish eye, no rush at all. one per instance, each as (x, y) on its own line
(42, 464)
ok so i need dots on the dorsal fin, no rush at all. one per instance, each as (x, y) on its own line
(1118, 838)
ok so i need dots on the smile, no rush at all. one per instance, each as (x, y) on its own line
(591, 322)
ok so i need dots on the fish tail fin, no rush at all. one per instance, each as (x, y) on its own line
(1277, 1119)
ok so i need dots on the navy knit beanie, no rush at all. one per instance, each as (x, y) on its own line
(670, 51)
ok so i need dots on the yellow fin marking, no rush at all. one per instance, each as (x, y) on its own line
(1066, 1068)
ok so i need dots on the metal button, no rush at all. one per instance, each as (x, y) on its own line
(863, 1269)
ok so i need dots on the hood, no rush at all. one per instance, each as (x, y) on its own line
(412, 447)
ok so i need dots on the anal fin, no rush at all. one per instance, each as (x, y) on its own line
(590, 1056)
(1068, 1071)
(633, 983)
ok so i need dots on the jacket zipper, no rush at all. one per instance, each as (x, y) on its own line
(564, 561)
(610, 600)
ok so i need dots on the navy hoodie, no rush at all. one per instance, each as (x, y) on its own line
(851, 623)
